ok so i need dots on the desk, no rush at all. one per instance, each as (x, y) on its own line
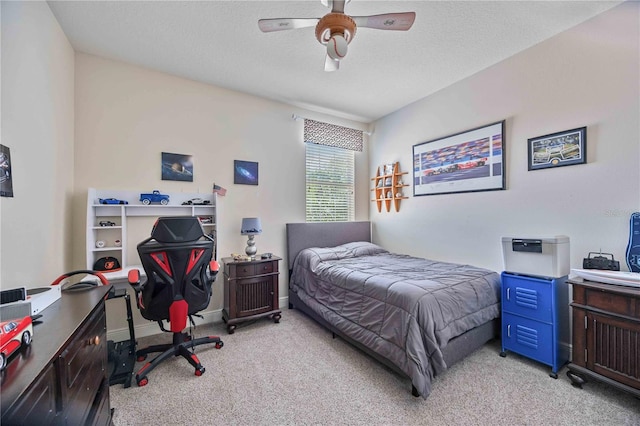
(62, 377)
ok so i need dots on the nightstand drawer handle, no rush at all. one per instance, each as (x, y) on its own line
(508, 293)
(509, 330)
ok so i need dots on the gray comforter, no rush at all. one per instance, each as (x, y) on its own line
(403, 308)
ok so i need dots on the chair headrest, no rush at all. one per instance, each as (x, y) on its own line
(177, 229)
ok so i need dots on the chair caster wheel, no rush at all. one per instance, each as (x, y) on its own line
(142, 381)
(503, 354)
(553, 375)
(141, 358)
(219, 345)
(200, 371)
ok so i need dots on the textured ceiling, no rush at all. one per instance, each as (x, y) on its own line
(218, 42)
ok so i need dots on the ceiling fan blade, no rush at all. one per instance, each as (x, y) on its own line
(389, 21)
(331, 64)
(280, 24)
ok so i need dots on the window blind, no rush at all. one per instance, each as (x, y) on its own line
(332, 135)
(330, 184)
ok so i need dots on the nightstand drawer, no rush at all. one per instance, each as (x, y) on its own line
(264, 268)
(246, 270)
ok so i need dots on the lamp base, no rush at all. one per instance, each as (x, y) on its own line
(251, 249)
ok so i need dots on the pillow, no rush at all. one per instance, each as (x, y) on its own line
(363, 248)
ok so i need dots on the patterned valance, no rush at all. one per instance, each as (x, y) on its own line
(331, 135)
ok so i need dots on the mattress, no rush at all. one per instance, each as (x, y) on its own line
(404, 308)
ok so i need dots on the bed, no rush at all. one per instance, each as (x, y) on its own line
(416, 316)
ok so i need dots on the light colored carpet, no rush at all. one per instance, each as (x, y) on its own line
(294, 372)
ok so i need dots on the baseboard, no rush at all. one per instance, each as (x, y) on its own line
(150, 328)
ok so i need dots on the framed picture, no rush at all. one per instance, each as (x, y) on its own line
(245, 172)
(6, 181)
(469, 161)
(558, 149)
(177, 167)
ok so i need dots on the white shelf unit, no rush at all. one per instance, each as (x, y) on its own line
(120, 214)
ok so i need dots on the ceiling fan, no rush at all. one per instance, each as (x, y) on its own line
(336, 29)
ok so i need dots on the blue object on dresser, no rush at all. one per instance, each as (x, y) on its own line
(633, 247)
(535, 318)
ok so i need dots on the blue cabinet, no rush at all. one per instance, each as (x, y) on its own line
(535, 318)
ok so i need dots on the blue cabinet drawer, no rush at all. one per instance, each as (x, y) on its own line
(527, 296)
(527, 337)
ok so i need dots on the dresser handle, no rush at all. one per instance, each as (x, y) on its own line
(94, 341)
(508, 293)
(509, 330)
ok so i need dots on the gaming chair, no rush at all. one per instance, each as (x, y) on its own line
(177, 259)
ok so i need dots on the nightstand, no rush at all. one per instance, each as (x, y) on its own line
(535, 318)
(250, 290)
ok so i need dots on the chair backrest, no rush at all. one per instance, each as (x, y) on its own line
(175, 259)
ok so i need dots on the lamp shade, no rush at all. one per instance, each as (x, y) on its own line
(251, 226)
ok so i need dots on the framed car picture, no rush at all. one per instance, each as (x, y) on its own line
(469, 161)
(558, 149)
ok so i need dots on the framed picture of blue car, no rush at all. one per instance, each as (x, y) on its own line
(558, 149)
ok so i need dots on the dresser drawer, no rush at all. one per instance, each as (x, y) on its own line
(38, 406)
(610, 302)
(83, 366)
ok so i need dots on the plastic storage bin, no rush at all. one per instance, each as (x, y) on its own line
(546, 257)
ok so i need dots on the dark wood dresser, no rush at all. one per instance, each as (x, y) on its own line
(606, 335)
(61, 378)
(250, 290)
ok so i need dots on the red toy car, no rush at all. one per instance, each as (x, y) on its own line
(14, 334)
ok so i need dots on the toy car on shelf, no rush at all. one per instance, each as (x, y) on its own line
(106, 223)
(205, 219)
(112, 201)
(154, 197)
(196, 202)
(13, 335)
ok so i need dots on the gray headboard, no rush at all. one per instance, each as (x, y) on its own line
(323, 234)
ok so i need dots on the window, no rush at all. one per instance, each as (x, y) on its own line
(330, 171)
(330, 184)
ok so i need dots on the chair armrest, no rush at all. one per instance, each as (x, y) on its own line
(134, 279)
(214, 267)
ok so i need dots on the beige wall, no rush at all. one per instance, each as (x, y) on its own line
(37, 126)
(587, 76)
(126, 116)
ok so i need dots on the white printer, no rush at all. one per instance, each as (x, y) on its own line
(542, 257)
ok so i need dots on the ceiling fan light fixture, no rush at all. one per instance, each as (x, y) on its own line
(335, 23)
(337, 47)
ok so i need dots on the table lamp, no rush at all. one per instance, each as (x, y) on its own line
(251, 226)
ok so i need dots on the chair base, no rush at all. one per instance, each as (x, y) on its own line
(180, 347)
